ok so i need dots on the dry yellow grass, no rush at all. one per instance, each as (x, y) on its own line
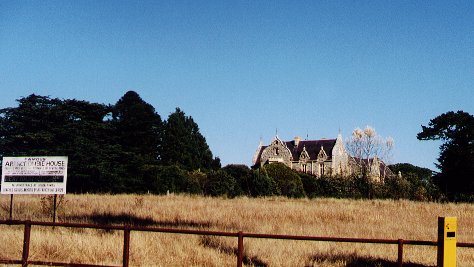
(384, 219)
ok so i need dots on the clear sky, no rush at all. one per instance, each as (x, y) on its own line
(243, 69)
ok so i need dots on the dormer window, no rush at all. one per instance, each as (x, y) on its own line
(322, 156)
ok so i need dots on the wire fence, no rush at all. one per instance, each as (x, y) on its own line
(24, 261)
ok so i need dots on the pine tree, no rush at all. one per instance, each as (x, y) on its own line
(184, 145)
(138, 126)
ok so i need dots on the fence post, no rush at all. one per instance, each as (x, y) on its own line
(54, 207)
(11, 207)
(240, 249)
(400, 252)
(126, 246)
(447, 241)
(26, 244)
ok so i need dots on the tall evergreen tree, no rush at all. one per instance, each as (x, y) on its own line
(184, 145)
(456, 159)
(30, 127)
(138, 126)
(95, 161)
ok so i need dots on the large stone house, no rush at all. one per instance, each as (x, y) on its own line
(324, 157)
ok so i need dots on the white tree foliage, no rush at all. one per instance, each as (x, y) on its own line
(367, 146)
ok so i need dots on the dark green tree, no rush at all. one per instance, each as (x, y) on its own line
(288, 181)
(43, 126)
(184, 145)
(242, 175)
(397, 187)
(420, 181)
(29, 129)
(219, 183)
(456, 158)
(173, 179)
(139, 127)
(311, 185)
(341, 187)
(86, 137)
(420, 175)
(262, 185)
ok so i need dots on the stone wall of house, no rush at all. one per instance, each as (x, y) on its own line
(328, 163)
(277, 151)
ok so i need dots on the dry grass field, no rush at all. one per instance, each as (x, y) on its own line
(383, 219)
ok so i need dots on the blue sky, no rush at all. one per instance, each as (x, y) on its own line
(243, 69)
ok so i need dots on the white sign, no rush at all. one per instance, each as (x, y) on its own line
(34, 175)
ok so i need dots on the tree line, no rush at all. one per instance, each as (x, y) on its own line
(111, 148)
(127, 147)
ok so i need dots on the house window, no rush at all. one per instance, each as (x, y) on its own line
(321, 169)
(304, 168)
(277, 151)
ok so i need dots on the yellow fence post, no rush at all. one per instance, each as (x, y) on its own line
(447, 241)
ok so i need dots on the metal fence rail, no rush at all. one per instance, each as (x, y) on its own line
(240, 239)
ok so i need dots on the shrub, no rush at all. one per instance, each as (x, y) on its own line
(262, 185)
(287, 180)
(311, 185)
(172, 179)
(219, 183)
(242, 175)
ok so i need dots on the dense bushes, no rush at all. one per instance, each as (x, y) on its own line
(279, 180)
(287, 180)
(263, 185)
(220, 183)
(276, 180)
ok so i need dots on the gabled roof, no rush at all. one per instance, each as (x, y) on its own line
(312, 147)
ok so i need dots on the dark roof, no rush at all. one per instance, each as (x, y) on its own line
(312, 147)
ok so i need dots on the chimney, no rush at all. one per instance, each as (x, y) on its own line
(297, 140)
